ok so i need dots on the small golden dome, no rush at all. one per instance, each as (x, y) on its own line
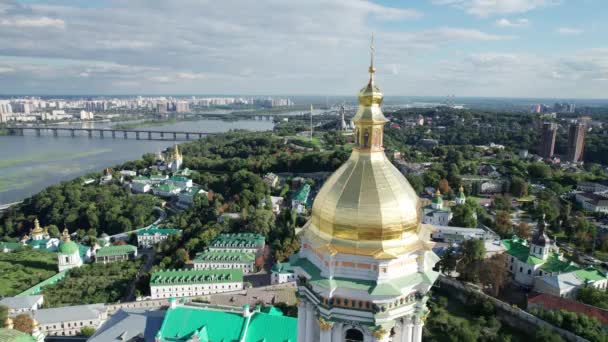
(37, 229)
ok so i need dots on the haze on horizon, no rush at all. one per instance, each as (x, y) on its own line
(496, 48)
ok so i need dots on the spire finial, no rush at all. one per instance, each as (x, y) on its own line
(372, 49)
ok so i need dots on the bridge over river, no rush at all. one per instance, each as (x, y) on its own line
(137, 134)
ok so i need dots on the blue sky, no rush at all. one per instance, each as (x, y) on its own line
(504, 48)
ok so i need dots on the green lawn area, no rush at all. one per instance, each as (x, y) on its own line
(23, 269)
(305, 141)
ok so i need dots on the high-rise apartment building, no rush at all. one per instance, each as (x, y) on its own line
(547, 139)
(576, 141)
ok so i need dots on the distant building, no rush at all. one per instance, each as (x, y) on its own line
(461, 198)
(299, 200)
(282, 272)
(245, 261)
(593, 202)
(576, 141)
(174, 159)
(566, 284)
(69, 253)
(185, 197)
(69, 320)
(435, 213)
(152, 235)
(271, 179)
(130, 325)
(241, 242)
(190, 283)
(180, 181)
(165, 190)
(592, 187)
(110, 254)
(538, 258)
(21, 304)
(547, 139)
(461, 234)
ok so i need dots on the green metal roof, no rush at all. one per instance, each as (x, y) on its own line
(153, 230)
(224, 256)
(166, 187)
(519, 249)
(12, 335)
(183, 322)
(176, 277)
(115, 250)
(179, 179)
(554, 264)
(437, 199)
(238, 240)
(282, 267)
(302, 194)
(591, 274)
(68, 247)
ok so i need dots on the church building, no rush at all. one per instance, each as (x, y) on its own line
(365, 263)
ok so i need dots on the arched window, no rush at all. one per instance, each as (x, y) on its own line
(353, 335)
(529, 271)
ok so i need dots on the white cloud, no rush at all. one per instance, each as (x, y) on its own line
(484, 8)
(569, 30)
(40, 22)
(504, 22)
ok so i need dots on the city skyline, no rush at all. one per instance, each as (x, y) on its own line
(501, 48)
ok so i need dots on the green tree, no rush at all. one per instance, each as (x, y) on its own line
(503, 224)
(416, 182)
(3, 313)
(463, 216)
(519, 187)
(539, 170)
(87, 331)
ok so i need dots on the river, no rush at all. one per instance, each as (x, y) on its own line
(28, 164)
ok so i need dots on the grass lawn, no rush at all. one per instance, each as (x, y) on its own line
(23, 269)
(305, 141)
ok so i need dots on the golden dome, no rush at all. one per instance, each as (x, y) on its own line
(367, 206)
(37, 229)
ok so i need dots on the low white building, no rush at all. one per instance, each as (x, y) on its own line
(17, 305)
(152, 235)
(244, 261)
(240, 242)
(282, 273)
(140, 187)
(593, 202)
(190, 283)
(592, 187)
(460, 234)
(69, 320)
(566, 285)
(271, 179)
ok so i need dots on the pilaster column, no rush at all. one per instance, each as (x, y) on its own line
(407, 329)
(310, 320)
(417, 334)
(302, 321)
(326, 335)
(337, 332)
